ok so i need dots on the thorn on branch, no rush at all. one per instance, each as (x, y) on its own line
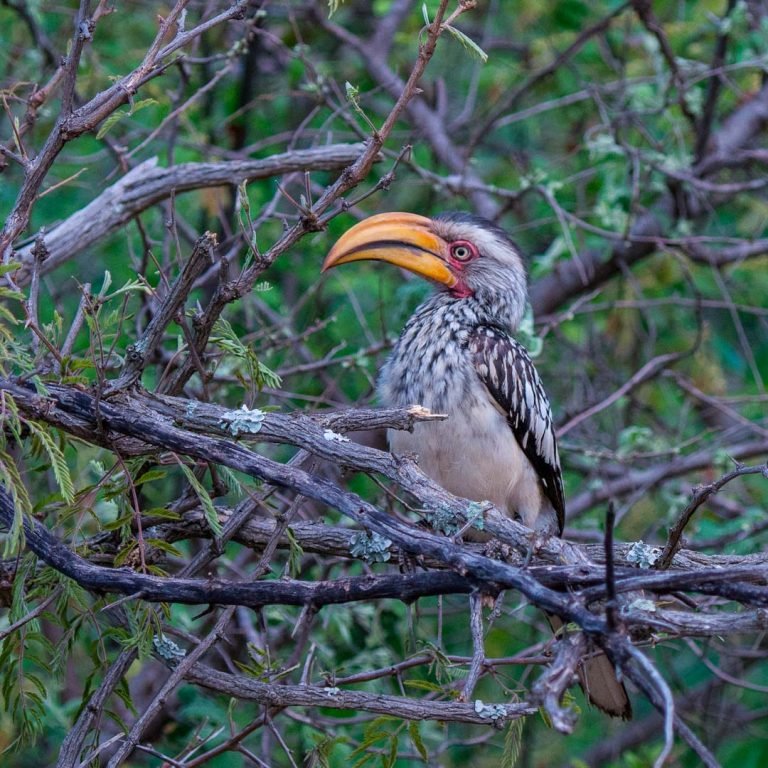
(40, 249)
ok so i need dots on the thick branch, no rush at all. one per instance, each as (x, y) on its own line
(97, 578)
(75, 412)
(147, 184)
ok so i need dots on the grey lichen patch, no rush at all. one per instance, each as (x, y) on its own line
(475, 514)
(642, 604)
(443, 520)
(493, 712)
(643, 555)
(168, 650)
(371, 547)
(242, 421)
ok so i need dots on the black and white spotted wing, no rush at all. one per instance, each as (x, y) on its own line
(507, 370)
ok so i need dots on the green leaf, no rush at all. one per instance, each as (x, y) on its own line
(226, 339)
(424, 685)
(10, 266)
(321, 753)
(242, 197)
(353, 97)
(110, 122)
(165, 547)
(513, 743)
(352, 92)
(124, 553)
(116, 117)
(468, 43)
(209, 511)
(295, 554)
(150, 476)
(415, 733)
(137, 106)
(388, 761)
(131, 286)
(58, 462)
(162, 512)
(11, 479)
(9, 293)
(231, 481)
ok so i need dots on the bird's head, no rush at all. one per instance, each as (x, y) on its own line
(468, 257)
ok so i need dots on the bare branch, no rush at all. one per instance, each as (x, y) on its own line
(494, 715)
(700, 495)
(147, 184)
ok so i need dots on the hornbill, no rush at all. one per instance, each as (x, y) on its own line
(457, 356)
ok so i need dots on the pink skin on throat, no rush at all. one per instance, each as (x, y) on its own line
(461, 290)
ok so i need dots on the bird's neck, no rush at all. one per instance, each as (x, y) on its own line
(471, 311)
(429, 364)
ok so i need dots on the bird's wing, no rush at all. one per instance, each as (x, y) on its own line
(507, 370)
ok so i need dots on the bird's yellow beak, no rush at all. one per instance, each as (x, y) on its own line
(403, 239)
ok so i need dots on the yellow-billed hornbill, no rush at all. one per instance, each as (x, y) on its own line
(457, 356)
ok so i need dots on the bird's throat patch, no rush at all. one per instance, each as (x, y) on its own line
(461, 290)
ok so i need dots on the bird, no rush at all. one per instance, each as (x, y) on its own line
(457, 356)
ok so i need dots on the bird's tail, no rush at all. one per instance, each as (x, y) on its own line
(603, 688)
(598, 679)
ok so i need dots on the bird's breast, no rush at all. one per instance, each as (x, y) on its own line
(430, 365)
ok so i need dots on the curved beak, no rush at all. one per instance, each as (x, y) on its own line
(403, 239)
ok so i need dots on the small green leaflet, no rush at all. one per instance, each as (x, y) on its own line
(58, 462)
(468, 43)
(209, 510)
(116, 117)
(418, 742)
(353, 97)
(513, 743)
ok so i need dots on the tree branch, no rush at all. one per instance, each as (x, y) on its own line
(147, 184)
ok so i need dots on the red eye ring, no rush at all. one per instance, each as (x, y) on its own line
(463, 251)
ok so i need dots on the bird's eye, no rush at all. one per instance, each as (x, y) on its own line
(463, 251)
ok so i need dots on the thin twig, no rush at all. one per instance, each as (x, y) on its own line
(30, 615)
(478, 645)
(610, 574)
(700, 495)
